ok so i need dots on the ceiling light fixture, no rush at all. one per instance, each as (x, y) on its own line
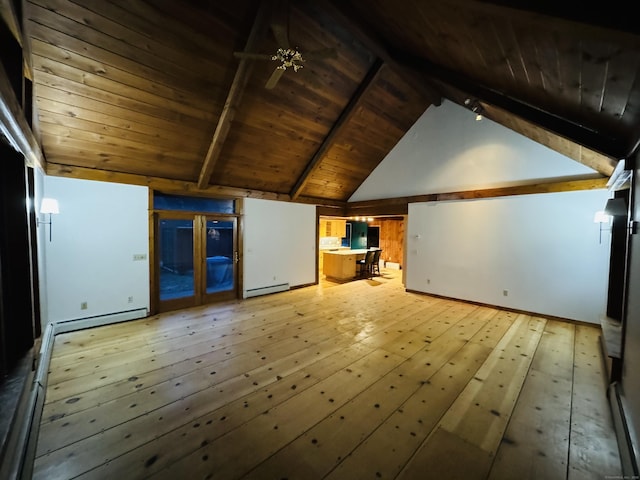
(290, 58)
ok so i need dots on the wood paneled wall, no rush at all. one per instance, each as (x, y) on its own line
(391, 238)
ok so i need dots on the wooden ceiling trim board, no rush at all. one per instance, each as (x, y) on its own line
(337, 206)
(124, 165)
(183, 187)
(234, 96)
(354, 102)
(541, 187)
(330, 211)
(157, 183)
(399, 205)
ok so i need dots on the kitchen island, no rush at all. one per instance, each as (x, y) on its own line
(341, 264)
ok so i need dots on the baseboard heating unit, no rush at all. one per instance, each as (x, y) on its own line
(98, 321)
(254, 292)
(17, 460)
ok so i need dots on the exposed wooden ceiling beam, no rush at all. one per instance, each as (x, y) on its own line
(179, 186)
(340, 12)
(400, 205)
(158, 183)
(10, 18)
(14, 125)
(602, 142)
(234, 96)
(13, 22)
(343, 119)
(602, 164)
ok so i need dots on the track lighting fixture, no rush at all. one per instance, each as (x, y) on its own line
(475, 106)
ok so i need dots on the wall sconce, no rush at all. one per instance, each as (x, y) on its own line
(600, 218)
(50, 206)
(615, 207)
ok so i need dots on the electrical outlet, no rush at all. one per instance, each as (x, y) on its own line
(139, 256)
(130, 299)
(428, 281)
(83, 306)
(505, 293)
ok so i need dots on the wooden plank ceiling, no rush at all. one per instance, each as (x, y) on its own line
(150, 91)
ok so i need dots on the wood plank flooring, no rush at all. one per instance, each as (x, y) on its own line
(339, 381)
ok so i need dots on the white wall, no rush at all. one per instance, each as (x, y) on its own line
(447, 150)
(544, 249)
(90, 259)
(279, 243)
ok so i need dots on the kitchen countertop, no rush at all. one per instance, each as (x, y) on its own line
(353, 251)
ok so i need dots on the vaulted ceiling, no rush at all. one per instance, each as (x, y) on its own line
(155, 92)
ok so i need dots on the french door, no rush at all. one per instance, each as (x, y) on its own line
(196, 259)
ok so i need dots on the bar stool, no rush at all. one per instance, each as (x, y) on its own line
(365, 264)
(375, 263)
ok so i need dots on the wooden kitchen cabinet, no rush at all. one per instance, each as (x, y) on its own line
(333, 228)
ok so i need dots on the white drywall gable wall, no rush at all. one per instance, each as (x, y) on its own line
(99, 229)
(447, 150)
(543, 250)
(279, 243)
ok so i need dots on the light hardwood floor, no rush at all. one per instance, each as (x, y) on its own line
(340, 381)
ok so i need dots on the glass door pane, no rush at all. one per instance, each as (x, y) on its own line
(176, 275)
(195, 260)
(220, 251)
